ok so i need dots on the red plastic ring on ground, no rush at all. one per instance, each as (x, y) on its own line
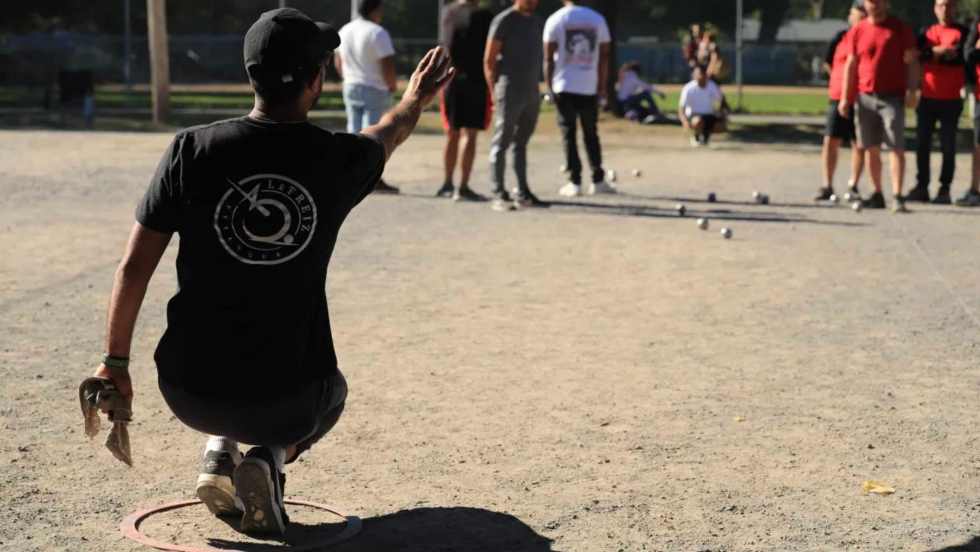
(130, 527)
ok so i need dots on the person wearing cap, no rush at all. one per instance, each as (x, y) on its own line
(366, 63)
(840, 129)
(943, 79)
(971, 50)
(247, 356)
(512, 65)
(883, 66)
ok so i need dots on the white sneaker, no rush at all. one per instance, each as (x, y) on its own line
(570, 190)
(602, 188)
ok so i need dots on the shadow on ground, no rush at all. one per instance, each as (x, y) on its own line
(972, 546)
(417, 530)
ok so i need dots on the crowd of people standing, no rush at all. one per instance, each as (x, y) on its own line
(879, 67)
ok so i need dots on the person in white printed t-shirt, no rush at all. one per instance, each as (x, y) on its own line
(366, 62)
(576, 67)
(700, 107)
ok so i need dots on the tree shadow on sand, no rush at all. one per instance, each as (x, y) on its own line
(972, 546)
(416, 530)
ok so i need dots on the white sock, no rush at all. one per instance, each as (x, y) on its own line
(222, 444)
(279, 455)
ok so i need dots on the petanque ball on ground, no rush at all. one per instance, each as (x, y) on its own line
(834, 198)
(712, 197)
(726, 233)
(849, 197)
(756, 195)
(611, 175)
(637, 173)
(857, 207)
(764, 199)
(703, 223)
(681, 209)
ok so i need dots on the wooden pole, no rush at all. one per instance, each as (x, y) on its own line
(156, 18)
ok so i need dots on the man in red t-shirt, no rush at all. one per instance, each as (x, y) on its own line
(943, 78)
(884, 67)
(840, 129)
(972, 51)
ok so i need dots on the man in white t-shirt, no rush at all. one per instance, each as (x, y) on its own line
(366, 62)
(576, 68)
(699, 108)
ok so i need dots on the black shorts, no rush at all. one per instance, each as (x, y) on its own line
(837, 126)
(301, 419)
(465, 103)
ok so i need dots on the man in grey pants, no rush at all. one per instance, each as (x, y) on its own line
(512, 64)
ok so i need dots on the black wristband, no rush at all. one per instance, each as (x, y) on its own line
(115, 363)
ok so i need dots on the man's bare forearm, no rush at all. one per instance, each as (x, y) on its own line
(397, 124)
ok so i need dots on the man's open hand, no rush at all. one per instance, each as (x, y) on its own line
(431, 76)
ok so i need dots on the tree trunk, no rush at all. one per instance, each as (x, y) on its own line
(772, 15)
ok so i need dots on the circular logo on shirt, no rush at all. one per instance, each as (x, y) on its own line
(266, 219)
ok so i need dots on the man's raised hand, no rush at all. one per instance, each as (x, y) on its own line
(431, 76)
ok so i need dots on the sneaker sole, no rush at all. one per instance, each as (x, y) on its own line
(218, 493)
(253, 481)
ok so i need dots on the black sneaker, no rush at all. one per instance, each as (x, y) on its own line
(824, 194)
(942, 198)
(970, 199)
(525, 198)
(919, 193)
(215, 487)
(446, 190)
(899, 205)
(875, 201)
(260, 487)
(467, 194)
(383, 187)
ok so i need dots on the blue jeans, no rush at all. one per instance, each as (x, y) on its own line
(365, 105)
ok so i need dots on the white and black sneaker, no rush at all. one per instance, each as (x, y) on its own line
(215, 487)
(260, 487)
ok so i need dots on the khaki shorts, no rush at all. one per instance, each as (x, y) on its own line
(880, 120)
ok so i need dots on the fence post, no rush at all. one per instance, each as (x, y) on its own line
(156, 18)
(739, 40)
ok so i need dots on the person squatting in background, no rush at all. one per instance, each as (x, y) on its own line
(700, 107)
(839, 128)
(636, 95)
(943, 79)
(366, 63)
(576, 67)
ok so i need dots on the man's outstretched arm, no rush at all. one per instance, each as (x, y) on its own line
(431, 76)
(132, 278)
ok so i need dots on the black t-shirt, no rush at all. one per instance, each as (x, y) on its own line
(257, 205)
(828, 57)
(464, 30)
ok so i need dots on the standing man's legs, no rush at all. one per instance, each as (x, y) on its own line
(857, 166)
(568, 125)
(470, 136)
(927, 114)
(376, 103)
(972, 196)
(504, 129)
(589, 113)
(949, 121)
(449, 156)
(892, 113)
(527, 122)
(354, 105)
(831, 147)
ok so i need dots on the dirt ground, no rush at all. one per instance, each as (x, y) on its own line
(598, 376)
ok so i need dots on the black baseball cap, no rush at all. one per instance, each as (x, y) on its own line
(283, 42)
